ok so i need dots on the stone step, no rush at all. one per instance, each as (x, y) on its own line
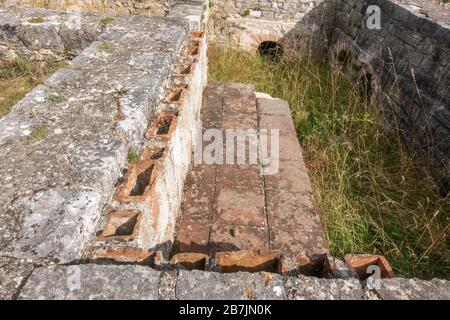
(253, 205)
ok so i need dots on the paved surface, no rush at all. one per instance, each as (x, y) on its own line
(91, 281)
(235, 207)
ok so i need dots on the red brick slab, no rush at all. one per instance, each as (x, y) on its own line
(199, 191)
(311, 241)
(239, 206)
(360, 263)
(189, 261)
(233, 238)
(241, 147)
(288, 209)
(294, 222)
(212, 116)
(194, 226)
(284, 124)
(243, 176)
(274, 107)
(192, 235)
(234, 120)
(288, 147)
(246, 104)
(230, 206)
(248, 261)
(292, 176)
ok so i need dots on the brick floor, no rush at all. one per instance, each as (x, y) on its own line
(229, 207)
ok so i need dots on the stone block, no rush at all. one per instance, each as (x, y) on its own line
(312, 288)
(198, 285)
(234, 238)
(240, 206)
(413, 289)
(92, 282)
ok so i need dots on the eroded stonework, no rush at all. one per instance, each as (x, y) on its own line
(94, 160)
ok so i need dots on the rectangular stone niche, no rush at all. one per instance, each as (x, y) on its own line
(177, 95)
(197, 34)
(248, 261)
(164, 125)
(122, 226)
(188, 69)
(360, 263)
(190, 261)
(193, 51)
(138, 184)
(317, 265)
(154, 153)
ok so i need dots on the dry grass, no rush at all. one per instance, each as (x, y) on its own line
(84, 7)
(374, 195)
(19, 77)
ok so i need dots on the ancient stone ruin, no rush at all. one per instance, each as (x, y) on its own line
(80, 220)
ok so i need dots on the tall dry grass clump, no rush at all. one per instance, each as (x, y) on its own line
(374, 195)
(20, 76)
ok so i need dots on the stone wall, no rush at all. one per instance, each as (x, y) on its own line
(143, 7)
(265, 9)
(247, 23)
(64, 34)
(405, 64)
(65, 147)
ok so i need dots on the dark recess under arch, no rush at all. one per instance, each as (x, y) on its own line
(270, 49)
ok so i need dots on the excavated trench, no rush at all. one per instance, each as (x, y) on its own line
(167, 210)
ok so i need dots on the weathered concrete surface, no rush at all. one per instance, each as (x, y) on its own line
(39, 34)
(310, 288)
(75, 133)
(195, 12)
(92, 282)
(413, 289)
(56, 222)
(199, 285)
(13, 274)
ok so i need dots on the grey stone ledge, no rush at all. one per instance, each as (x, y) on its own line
(92, 281)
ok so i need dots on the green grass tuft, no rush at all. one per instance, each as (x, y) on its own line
(133, 156)
(120, 91)
(38, 132)
(37, 20)
(105, 21)
(55, 98)
(374, 195)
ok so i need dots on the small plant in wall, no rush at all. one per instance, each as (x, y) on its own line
(120, 91)
(37, 20)
(133, 156)
(246, 12)
(38, 132)
(105, 21)
(55, 98)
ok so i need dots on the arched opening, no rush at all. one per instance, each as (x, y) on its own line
(270, 49)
